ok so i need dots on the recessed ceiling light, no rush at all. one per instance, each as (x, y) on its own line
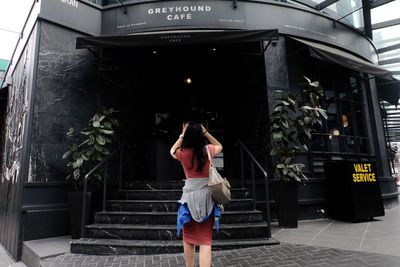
(188, 80)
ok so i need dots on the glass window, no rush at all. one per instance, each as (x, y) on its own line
(108, 2)
(346, 119)
(390, 54)
(345, 7)
(392, 67)
(386, 36)
(385, 12)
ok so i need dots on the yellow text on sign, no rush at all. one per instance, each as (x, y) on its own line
(363, 173)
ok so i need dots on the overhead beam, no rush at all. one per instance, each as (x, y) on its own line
(388, 48)
(380, 2)
(389, 61)
(325, 4)
(385, 24)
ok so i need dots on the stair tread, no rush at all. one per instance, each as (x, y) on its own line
(170, 226)
(165, 200)
(171, 213)
(166, 190)
(163, 243)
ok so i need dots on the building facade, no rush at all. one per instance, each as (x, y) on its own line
(136, 57)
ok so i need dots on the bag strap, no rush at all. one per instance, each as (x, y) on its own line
(209, 156)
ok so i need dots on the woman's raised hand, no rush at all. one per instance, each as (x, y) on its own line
(203, 129)
(184, 127)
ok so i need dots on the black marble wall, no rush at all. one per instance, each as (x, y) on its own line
(66, 96)
(14, 159)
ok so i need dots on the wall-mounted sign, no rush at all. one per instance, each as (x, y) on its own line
(174, 14)
(353, 190)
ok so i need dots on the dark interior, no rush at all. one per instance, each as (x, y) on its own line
(149, 88)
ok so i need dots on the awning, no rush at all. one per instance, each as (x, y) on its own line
(345, 59)
(176, 38)
(388, 90)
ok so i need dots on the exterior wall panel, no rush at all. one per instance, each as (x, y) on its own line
(14, 171)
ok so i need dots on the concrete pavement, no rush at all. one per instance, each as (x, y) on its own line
(324, 242)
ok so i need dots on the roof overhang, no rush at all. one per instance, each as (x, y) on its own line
(345, 59)
(181, 37)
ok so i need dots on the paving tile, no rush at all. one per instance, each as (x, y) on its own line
(279, 255)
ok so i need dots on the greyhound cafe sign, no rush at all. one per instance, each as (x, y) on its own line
(173, 13)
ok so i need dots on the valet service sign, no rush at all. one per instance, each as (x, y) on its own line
(179, 13)
(363, 173)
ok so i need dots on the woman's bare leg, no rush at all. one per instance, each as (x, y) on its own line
(189, 251)
(205, 256)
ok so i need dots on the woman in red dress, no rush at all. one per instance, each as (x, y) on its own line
(198, 211)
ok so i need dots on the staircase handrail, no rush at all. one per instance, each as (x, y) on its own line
(265, 174)
(95, 168)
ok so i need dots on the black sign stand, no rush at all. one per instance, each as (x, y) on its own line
(353, 190)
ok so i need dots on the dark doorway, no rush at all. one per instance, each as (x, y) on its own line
(153, 89)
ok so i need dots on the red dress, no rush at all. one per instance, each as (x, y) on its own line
(194, 232)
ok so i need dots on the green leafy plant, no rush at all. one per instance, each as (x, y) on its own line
(292, 122)
(94, 146)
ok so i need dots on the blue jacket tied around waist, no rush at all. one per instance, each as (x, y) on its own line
(197, 204)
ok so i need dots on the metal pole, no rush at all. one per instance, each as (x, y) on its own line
(242, 164)
(120, 168)
(267, 206)
(84, 207)
(105, 186)
(254, 186)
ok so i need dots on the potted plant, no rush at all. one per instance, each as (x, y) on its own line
(90, 147)
(292, 122)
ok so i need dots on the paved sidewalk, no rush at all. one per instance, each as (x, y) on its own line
(278, 255)
(5, 259)
(314, 243)
(382, 235)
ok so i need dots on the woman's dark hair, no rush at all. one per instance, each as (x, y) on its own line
(195, 140)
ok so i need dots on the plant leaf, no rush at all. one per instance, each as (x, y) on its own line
(100, 140)
(67, 154)
(96, 124)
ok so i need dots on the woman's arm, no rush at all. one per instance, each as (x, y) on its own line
(212, 140)
(178, 142)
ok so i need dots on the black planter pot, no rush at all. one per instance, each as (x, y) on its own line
(286, 195)
(75, 200)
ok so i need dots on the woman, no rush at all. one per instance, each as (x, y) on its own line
(197, 210)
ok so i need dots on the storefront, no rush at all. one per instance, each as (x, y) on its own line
(148, 60)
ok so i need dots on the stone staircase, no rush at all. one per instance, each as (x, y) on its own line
(142, 220)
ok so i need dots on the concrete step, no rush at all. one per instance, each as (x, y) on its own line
(165, 194)
(168, 232)
(168, 205)
(135, 217)
(165, 184)
(143, 247)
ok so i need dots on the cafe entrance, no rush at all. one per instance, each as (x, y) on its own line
(156, 89)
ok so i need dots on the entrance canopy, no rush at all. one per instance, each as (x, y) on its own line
(344, 59)
(176, 38)
(389, 90)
